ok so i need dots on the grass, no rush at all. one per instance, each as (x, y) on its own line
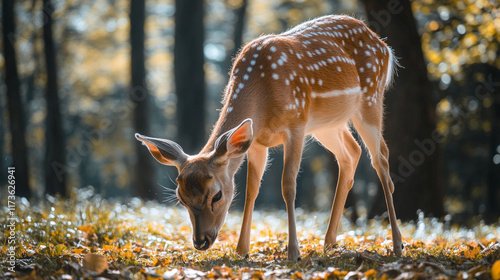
(152, 241)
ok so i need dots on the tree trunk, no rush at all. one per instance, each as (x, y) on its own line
(239, 27)
(189, 73)
(55, 169)
(410, 117)
(139, 94)
(16, 115)
(493, 189)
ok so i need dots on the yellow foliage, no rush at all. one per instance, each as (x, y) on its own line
(434, 56)
(128, 254)
(444, 106)
(469, 40)
(433, 25)
(99, 35)
(37, 138)
(100, 84)
(234, 4)
(160, 59)
(486, 126)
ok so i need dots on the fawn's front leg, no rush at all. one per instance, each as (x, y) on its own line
(257, 157)
(292, 155)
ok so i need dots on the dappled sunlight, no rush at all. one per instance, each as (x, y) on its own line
(139, 239)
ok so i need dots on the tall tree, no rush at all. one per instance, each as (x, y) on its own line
(16, 116)
(493, 189)
(410, 116)
(492, 88)
(139, 94)
(55, 175)
(239, 27)
(189, 73)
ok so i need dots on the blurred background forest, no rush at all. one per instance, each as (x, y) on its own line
(81, 77)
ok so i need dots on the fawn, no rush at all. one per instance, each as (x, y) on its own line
(313, 79)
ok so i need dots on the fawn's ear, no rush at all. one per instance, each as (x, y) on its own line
(164, 151)
(234, 142)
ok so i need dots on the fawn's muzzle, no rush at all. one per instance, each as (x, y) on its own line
(202, 244)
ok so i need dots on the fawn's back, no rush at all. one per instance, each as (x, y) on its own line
(321, 72)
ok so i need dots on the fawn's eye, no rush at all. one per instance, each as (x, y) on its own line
(217, 197)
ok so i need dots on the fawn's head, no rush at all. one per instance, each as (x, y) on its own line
(205, 181)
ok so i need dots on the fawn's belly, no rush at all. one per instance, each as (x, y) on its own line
(322, 113)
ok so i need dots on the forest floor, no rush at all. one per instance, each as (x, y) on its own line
(88, 237)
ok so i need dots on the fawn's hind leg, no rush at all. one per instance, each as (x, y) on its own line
(371, 133)
(347, 151)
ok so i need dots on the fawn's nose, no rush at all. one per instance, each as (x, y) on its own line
(201, 244)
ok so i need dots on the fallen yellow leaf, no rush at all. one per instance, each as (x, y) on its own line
(77, 250)
(370, 272)
(59, 249)
(495, 270)
(86, 228)
(108, 247)
(297, 275)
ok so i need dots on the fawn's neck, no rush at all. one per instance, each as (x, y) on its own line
(227, 121)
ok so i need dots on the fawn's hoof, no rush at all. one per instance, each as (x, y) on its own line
(293, 255)
(398, 250)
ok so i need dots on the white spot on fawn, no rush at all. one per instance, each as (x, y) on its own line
(275, 76)
(347, 91)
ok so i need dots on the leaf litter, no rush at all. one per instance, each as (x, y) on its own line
(88, 237)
